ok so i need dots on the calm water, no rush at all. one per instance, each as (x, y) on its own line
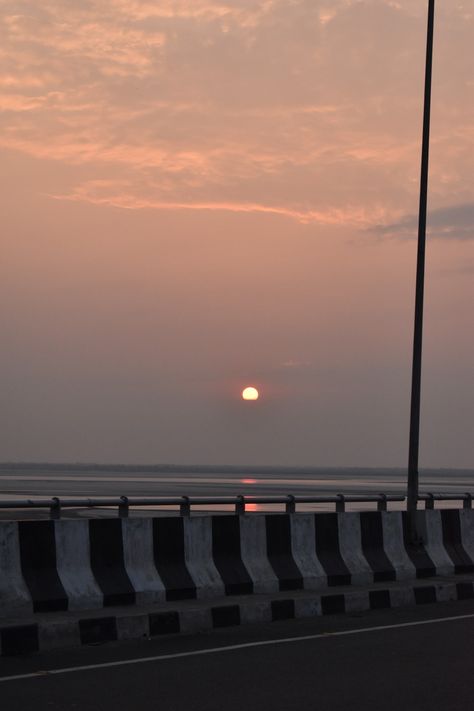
(68, 481)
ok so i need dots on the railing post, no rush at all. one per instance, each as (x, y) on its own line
(55, 508)
(382, 502)
(429, 502)
(290, 506)
(123, 507)
(467, 501)
(240, 505)
(185, 507)
(341, 503)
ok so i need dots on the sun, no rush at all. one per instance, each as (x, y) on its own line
(250, 393)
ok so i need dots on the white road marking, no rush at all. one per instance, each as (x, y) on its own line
(231, 648)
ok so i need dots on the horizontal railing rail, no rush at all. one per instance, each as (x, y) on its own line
(240, 503)
(430, 499)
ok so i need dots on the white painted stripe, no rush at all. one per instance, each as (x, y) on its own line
(137, 536)
(253, 551)
(350, 547)
(303, 548)
(14, 596)
(198, 556)
(432, 527)
(73, 565)
(233, 647)
(394, 546)
(466, 520)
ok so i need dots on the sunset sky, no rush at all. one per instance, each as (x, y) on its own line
(198, 196)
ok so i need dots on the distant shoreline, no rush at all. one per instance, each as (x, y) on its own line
(214, 468)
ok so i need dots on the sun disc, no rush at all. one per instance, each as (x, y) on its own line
(250, 393)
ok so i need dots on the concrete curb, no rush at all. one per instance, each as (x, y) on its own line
(73, 629)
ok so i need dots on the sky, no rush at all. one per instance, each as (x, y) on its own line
(198, 196)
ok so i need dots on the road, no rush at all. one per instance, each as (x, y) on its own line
(416, 660)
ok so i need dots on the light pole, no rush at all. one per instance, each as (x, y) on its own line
(412, 489)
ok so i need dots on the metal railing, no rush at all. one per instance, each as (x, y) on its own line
(429, 499)
(240, 503)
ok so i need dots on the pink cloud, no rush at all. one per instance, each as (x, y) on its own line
(116, 194)
(206, 105)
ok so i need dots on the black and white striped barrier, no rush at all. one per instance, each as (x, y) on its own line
(48, 632)
(90, 564)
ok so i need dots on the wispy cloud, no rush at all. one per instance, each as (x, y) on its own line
(117, 194)
(452, 222)
(308, 109)
(296, 364)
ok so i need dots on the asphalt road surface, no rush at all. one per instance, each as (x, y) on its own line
(415, 660)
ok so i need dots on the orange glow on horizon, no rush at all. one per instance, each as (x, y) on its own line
(251, 507)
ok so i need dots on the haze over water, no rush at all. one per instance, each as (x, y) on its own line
(70, 481)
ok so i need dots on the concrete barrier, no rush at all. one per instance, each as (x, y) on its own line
(90, 564)
(170, 558)
(430, 527)
(373, 548)
(253, 548)
(108, 562)
(394, 545)
(466, 520)
(304, 552)
(74, 566)
(39, 568)
(199, 559)
(350, 543)
(139, 560)
(424, 566)
(280, 554)
(227, 552)
(328, 549)
(453, 542)
(14, 595)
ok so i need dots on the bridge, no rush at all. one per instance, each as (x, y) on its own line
(81, 581)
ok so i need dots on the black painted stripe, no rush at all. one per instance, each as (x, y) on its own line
(425, 595)
(452, 541)
(372, 546)
(227, 555)
(225, 615)
(333, 604)
(168, 548)
(22, 639)
(279, 552)
(164, 623)
(379, 599)
(328, 551)
(465, 591)
(425, 568)
(283, 610)
(96, 630)
(38, 565)
(107, 561)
